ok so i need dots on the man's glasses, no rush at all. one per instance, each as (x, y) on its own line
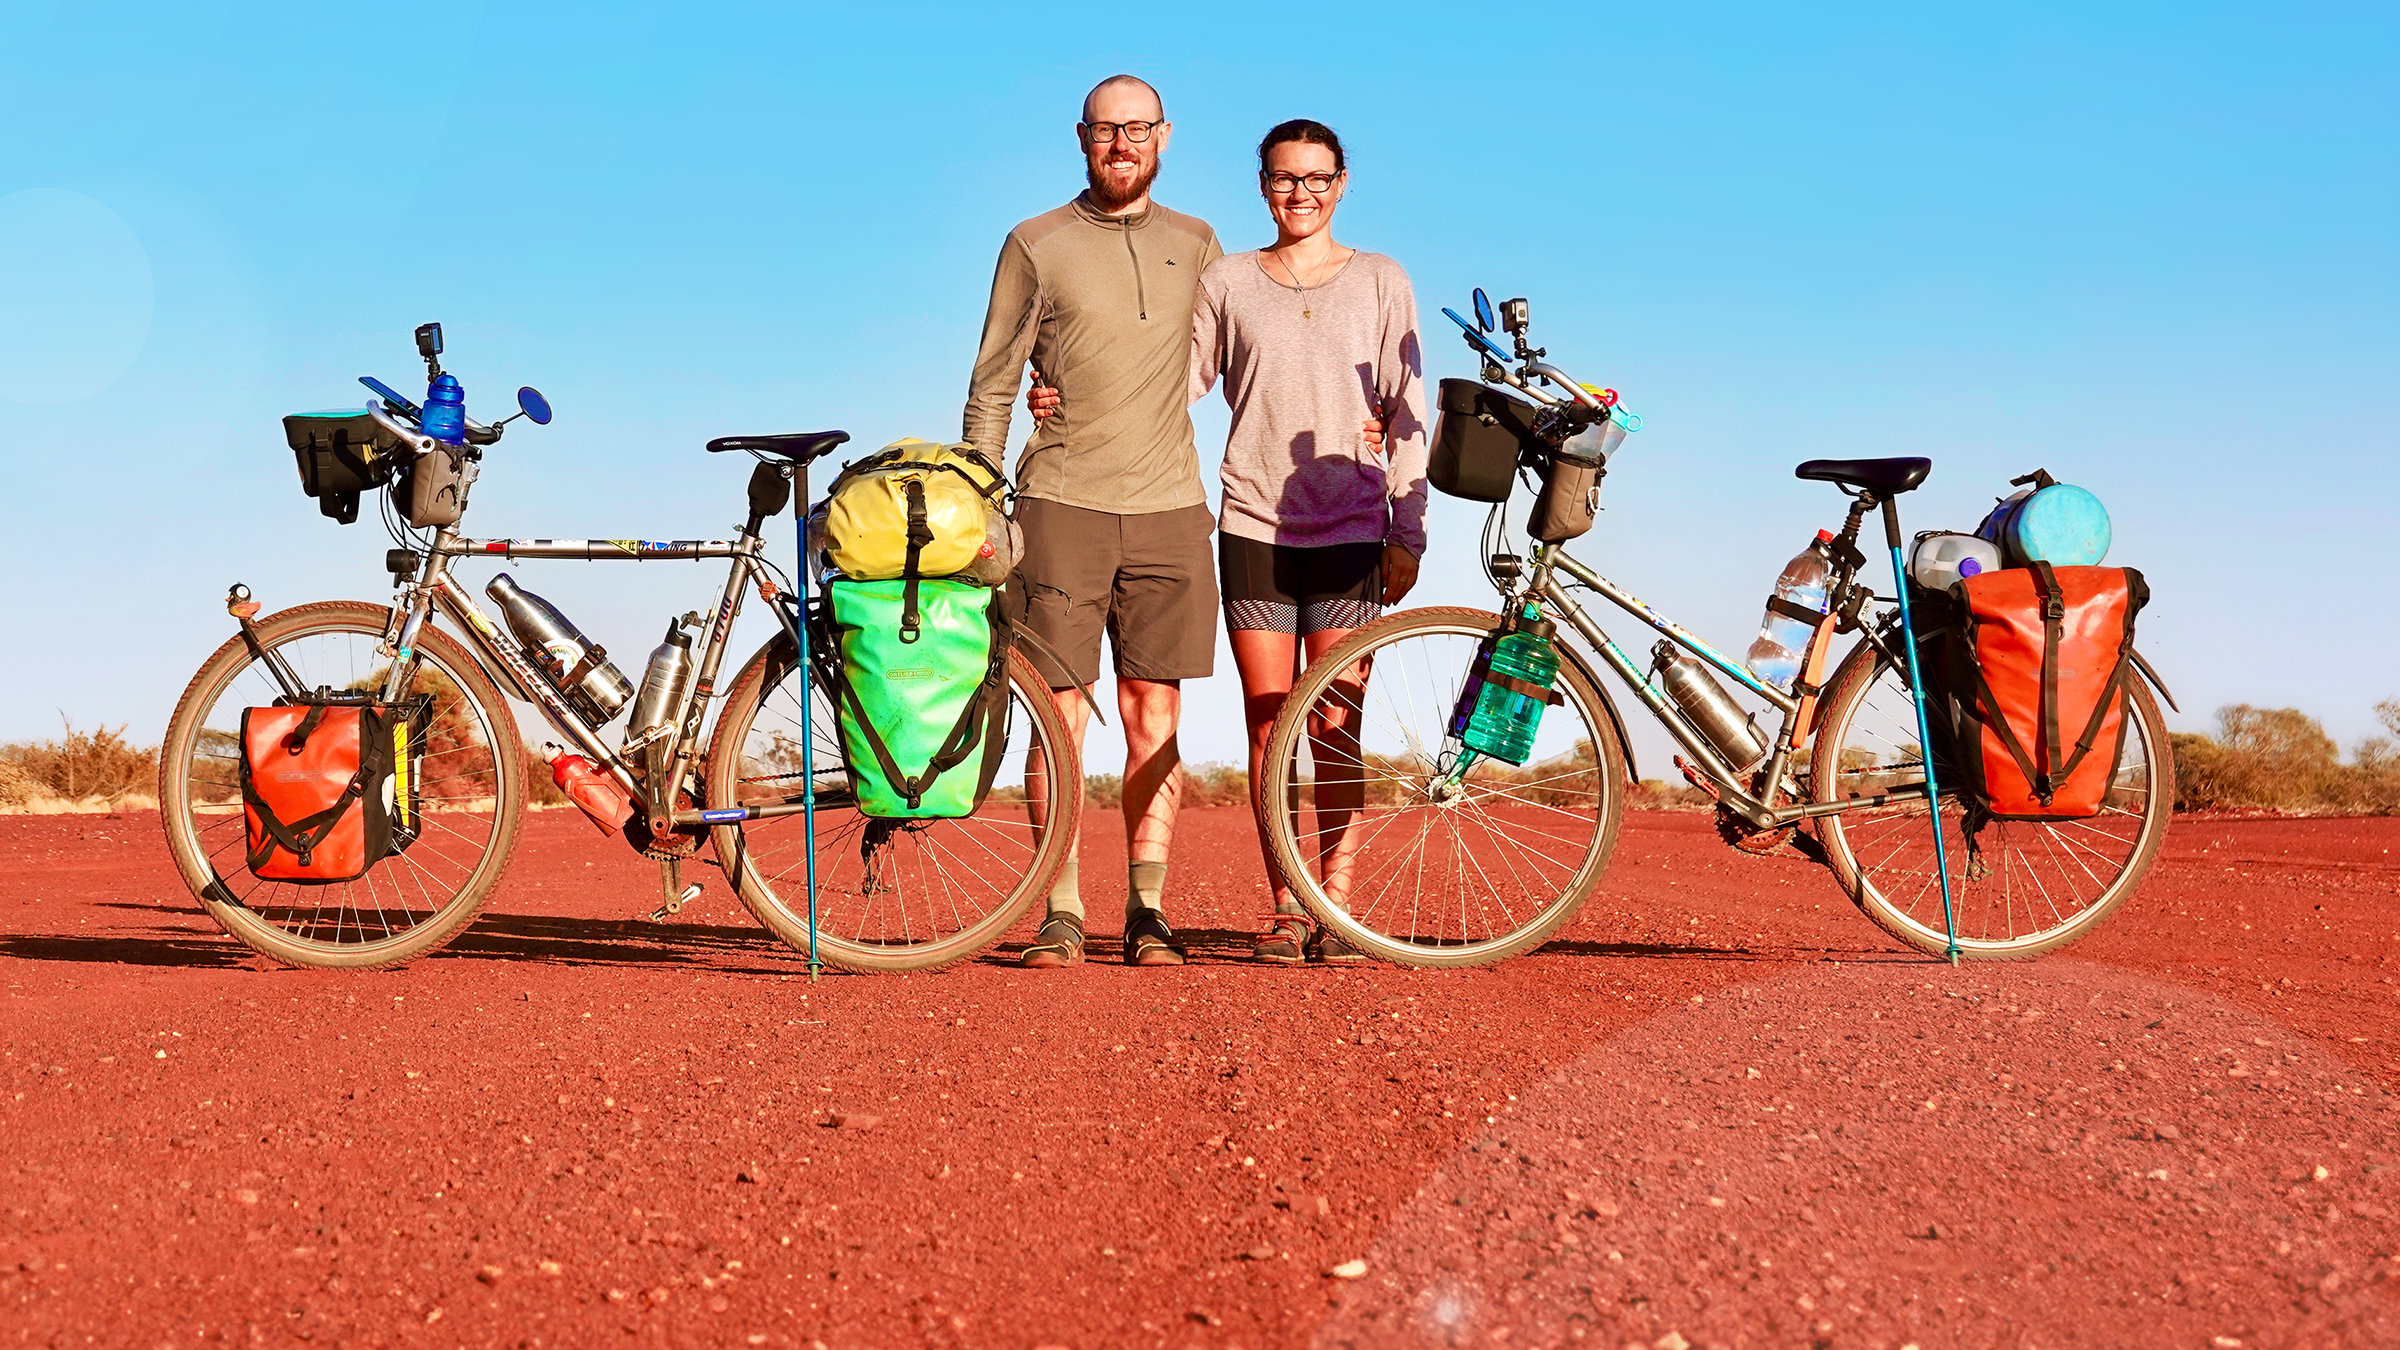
(1101, 133)
(1314, 182)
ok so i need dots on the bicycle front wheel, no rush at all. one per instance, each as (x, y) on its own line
(895, 895)
(1402, 843)
(2028, 887)
(470, 779)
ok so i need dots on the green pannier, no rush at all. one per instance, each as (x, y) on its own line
(923, 706)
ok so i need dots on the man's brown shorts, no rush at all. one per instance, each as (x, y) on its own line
(1148, 581)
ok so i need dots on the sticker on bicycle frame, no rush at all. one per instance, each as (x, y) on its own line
(729, 814)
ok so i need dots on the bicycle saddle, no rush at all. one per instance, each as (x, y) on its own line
(1883, 477)
(799, 447)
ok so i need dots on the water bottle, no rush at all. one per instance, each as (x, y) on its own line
(591, 791)
(663, 688)
(1783, 638)
(576, 665)
(446, 410)
(1507, 690)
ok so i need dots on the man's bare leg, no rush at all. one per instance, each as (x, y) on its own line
(1153, 791)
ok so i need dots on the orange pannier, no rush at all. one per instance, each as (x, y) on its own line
(328, 789)
(2044, 659)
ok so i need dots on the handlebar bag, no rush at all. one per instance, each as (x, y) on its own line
(921, 701)
(433, 488)
(329, 786)
(341, 454)
(2038, 672)
(914, 509)
(1477, 438)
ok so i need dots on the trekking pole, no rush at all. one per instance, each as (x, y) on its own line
(808, 739)
(1916, 689)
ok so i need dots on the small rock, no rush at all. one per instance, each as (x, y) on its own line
(749, 1175)
(1348, 1270)
(1265, 1251)
(1205, 1319)
(1673, 1341)
(2165, 1132)
(619, 1295)
(492, 1274)
(855, 1120)
(552, 1267)
(720, 1303)
(2322, 1171)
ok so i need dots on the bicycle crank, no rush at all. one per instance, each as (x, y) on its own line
(670, 884)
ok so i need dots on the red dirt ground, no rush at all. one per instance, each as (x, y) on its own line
(1720, 1111)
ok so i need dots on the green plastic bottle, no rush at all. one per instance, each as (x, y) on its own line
(1508, 688)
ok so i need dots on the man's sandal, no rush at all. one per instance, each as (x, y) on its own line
(1283, 942)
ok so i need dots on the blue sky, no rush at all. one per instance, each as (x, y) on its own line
(2150, 248)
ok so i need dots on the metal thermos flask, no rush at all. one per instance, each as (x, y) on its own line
(1711, 709)
(663, 688)
(578, 667)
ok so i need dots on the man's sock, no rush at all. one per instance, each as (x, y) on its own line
(1145, 886)
(1064, 897)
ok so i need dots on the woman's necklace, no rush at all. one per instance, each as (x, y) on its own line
(1306, 311)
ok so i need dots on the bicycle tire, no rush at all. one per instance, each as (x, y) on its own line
(347, 925)
(1555, 890)
(924, 928)
(1883, 856)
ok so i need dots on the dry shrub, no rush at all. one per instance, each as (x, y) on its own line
(81, 767)
(2281, 759)
(1216, 785)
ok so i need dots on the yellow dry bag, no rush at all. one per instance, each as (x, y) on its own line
(912, 509)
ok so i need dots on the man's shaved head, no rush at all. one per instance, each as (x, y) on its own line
(1129, 84)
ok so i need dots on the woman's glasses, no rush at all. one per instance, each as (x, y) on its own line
(1314, 182)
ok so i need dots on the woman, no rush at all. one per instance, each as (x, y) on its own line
(1323, 513)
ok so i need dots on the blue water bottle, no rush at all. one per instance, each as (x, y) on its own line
(446, 410)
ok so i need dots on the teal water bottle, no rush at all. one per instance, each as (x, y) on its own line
(1508, 688)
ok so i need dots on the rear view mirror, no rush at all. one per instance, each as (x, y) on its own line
(1483, 309)
(533, 405)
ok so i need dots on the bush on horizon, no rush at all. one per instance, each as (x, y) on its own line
(2280, 759)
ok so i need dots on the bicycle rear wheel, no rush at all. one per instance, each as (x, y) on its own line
(1398, 850)
(891, 895)
(470, 780)
(2030, 886)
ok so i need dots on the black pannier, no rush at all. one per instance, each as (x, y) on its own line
(341, 454)
(1477, 440)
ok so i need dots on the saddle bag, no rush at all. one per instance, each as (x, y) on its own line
(921, 701)
(917, 509)
(329, 785)
(2039, 660)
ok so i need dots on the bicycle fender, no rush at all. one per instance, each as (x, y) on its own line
(1574, 657)
(2143, 665)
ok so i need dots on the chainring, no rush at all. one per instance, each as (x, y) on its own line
(673, 846)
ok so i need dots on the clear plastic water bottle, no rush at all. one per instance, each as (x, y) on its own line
(1783, 638)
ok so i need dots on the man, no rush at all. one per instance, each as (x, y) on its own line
(1097, 294)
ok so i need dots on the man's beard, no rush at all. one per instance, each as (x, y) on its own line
(1107, 198)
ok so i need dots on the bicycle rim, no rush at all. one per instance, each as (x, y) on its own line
(2025, 887)
(1398, 849)
(465, 767)
(891, 895)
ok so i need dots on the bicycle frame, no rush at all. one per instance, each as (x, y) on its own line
(1758, 806)
(439, 589)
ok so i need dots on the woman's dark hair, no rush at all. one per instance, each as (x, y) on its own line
(1307, 133)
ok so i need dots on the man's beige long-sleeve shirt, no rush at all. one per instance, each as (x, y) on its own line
(1102, 306)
